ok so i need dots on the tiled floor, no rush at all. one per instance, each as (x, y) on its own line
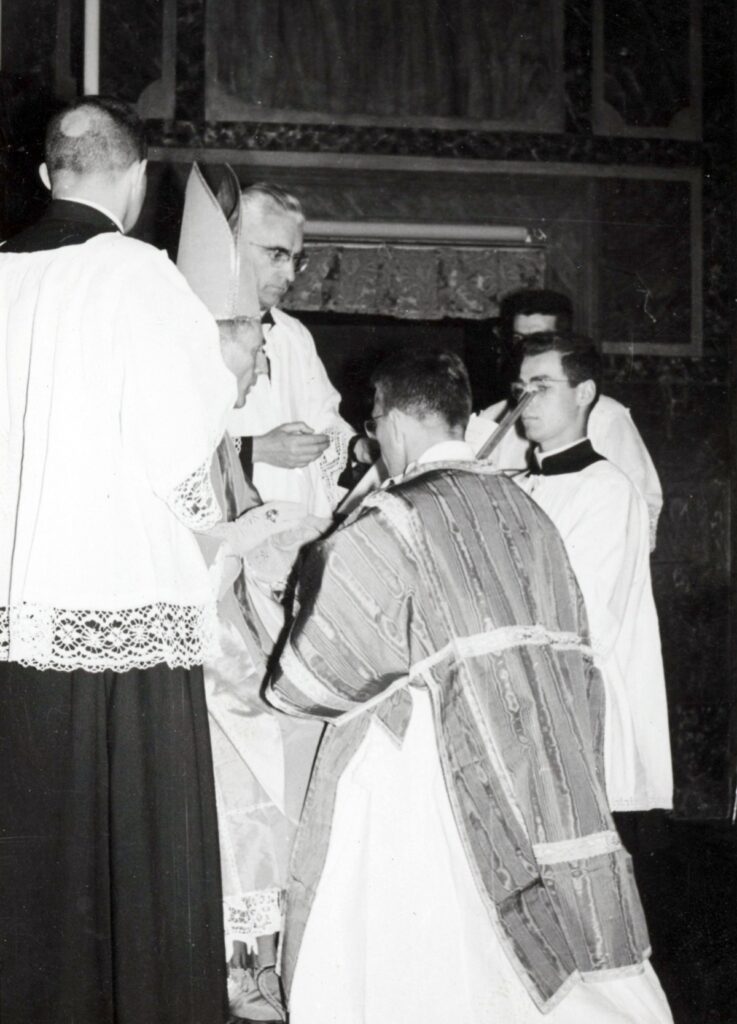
(687, 874)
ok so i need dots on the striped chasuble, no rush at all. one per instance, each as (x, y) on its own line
(454, 580)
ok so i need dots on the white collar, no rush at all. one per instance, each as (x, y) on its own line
(556, 451)
(443, 451)
(96, 206)
(447, 451)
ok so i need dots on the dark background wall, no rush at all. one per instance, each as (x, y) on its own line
(607, 124)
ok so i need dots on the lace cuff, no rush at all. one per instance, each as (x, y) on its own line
(333, 461)
(254, 914)
(193, 501)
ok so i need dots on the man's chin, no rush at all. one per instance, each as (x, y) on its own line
(272, 297)
(528, 429)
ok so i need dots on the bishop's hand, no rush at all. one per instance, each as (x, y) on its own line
(290, 445)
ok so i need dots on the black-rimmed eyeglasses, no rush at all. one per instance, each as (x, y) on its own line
(538, 386)
(280, 256)
(369, 426)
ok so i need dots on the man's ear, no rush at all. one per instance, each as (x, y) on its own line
(394, 423)
(43, 173)
(585, 393)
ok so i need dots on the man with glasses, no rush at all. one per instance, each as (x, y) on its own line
(603, 522)
(293, 442)
(610, 425)
(456, 859)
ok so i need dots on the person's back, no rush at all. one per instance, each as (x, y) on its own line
(113, 397)
(442, 633)
(101, 473)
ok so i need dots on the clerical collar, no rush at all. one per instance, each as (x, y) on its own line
(95, 206)
(443, 451)
(447, 451)
(571, 459)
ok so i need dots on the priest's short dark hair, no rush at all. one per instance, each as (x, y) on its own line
(95, 134)
(579, 355)
(544, 301)
(422, 382)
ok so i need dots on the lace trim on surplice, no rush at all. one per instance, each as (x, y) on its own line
(255, 913)
(193, 501)
(66, 639)
(332, 462)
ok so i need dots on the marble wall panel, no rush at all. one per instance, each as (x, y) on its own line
(703, 769)
(644, 254)
(647, 68)
(577, 57)
(190, 63)
(131, 36)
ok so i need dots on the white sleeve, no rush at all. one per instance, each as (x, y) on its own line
(614, 435)
(177, 391)
(322, 414)
(323, 397)
(605, 535)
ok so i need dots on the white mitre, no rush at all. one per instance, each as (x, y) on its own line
(212, 247)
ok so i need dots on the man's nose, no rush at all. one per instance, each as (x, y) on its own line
(289, 271)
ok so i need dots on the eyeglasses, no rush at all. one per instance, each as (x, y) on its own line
(539, 386)
(369, 426)
(279, 256)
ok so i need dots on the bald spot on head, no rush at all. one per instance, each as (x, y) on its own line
(94, 137)
(76, 123)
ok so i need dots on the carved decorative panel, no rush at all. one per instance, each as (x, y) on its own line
(647, 68)
(388, 61)
(414, 282)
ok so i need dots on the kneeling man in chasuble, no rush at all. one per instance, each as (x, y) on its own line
(456, 858)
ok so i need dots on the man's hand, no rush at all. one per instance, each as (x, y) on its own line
(290, 446)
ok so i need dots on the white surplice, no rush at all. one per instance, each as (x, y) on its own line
(113, 398)
(604, 525)
(612, 433)
(296, 389)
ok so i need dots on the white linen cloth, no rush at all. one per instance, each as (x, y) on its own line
(604, 525)
(297, 389)
(262, 759)
(612, 434)
(113, 398)
(397, 880)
